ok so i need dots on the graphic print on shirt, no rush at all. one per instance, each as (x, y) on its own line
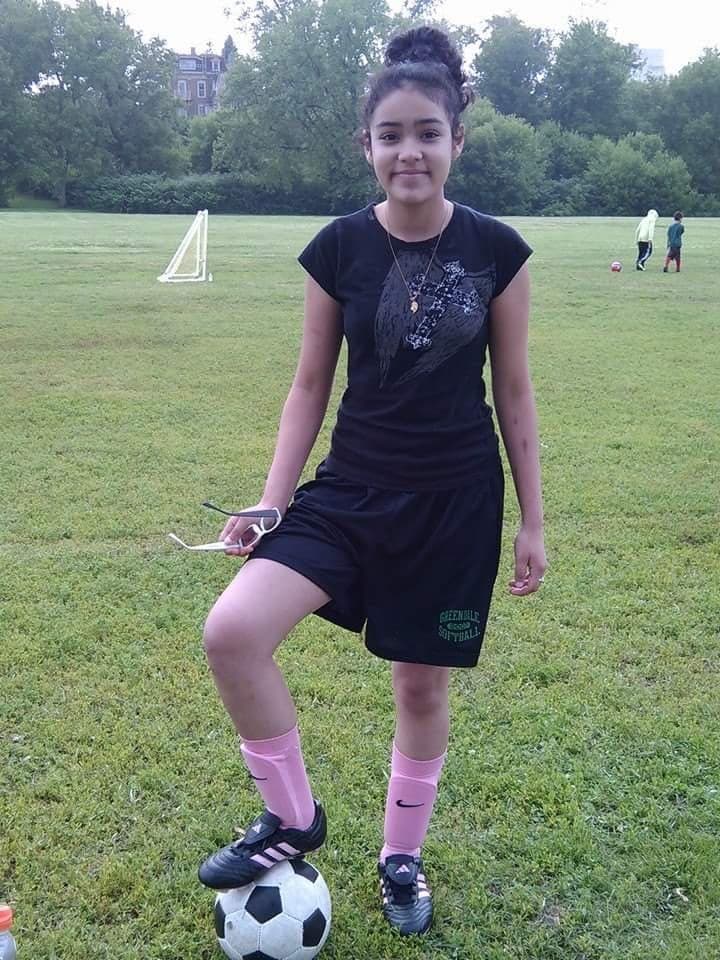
(453, 309)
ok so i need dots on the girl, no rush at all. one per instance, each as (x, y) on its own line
(400, 529)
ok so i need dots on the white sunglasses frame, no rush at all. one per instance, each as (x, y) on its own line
(259, 529)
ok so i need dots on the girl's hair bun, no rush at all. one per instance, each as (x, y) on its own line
(425, 58)
(426, 45)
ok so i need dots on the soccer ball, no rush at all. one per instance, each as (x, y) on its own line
(285, 915)
(616, 266)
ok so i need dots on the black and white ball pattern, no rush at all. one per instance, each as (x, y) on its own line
(285, 915)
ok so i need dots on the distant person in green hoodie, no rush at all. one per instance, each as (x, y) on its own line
(674, 239)
(644, 238)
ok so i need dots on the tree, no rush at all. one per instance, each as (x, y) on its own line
(633, 175)
(106, 103)
(642, 105)
(586, 80)
(502, 165)
(204, 134)
(25, 52)
(293, 103)
(25, 39)
(229, 51)
(510, 67)
(690, 123)
(567, 153)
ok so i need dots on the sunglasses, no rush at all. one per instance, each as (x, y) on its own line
(268, 520)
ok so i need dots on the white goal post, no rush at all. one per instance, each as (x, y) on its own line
(189, 263)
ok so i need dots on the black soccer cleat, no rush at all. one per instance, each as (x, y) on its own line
(263, 844)
(406, 897)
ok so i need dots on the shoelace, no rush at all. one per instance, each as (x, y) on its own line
(250, 844)
(400, 894)
(242, 840)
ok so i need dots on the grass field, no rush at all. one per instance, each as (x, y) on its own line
(579, 812)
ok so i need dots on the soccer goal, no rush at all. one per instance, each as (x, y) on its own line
(189, 263)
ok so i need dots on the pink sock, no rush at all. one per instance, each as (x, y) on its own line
(411, 795)
(277, 767)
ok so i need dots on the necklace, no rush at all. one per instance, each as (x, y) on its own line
(414, 296)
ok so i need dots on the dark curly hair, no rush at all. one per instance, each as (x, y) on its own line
(425, 58)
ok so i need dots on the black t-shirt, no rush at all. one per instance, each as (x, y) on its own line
(414, 416)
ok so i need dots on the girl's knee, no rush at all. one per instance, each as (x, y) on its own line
(235, 629)
(225, 634)
(419, 688)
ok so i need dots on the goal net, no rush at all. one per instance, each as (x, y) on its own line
(189, 263)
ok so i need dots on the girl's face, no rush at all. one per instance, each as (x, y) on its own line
(410, 146)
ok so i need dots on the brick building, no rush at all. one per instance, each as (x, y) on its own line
(197, 82)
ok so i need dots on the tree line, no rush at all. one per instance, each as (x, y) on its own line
(563, 125)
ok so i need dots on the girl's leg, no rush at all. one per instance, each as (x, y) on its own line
(244, 628)
(242, 632)
(421, 737)
(422, 713)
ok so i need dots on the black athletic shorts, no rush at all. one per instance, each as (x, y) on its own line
(417, 568)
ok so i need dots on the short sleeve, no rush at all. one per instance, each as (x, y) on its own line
(320, 259)
(511, 252)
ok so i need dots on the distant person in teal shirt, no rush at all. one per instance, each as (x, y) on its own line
(674, 239)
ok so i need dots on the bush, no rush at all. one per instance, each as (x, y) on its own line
(705, 205)
(562, 198)
(218, 193)
(503, 165)
(621, 180)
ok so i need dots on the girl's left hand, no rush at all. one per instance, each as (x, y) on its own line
(530, 561)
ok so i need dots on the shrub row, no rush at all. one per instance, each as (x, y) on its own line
(605, 190)
(218, 193)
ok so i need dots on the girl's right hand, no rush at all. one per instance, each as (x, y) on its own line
(234, 529)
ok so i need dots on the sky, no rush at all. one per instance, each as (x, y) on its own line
(682, 28)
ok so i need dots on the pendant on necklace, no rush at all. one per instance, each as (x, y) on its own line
(413, 306)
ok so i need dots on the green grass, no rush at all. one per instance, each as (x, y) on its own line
(579, 809)
(29, 203)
